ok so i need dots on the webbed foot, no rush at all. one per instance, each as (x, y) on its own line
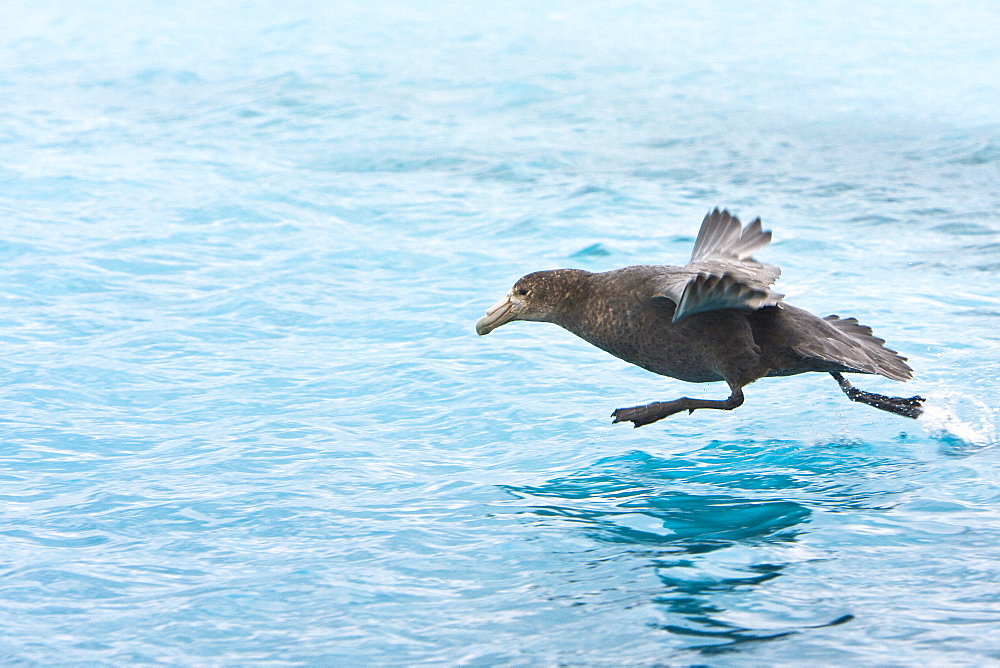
(906, 406)
(642, 415)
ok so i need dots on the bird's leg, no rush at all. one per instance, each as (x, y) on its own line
(906, 406)
(640, 415)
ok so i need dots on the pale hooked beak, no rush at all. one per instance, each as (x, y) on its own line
(498, 314)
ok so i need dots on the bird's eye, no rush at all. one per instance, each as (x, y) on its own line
(522, 291)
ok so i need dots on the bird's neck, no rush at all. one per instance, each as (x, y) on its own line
(575, 291)
(597, 307)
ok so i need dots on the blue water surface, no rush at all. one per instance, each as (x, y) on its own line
(246, 419)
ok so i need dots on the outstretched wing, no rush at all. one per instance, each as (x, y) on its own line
(722, 272)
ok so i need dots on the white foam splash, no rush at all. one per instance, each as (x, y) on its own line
(951, 415)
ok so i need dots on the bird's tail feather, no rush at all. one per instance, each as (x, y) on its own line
(856, 348)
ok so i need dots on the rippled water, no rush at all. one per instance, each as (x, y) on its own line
(246, 419)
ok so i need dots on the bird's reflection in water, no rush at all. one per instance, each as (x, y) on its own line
(714, 553)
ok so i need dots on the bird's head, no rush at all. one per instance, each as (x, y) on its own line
(540, 296)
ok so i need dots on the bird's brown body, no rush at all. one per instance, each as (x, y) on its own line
(713, 319)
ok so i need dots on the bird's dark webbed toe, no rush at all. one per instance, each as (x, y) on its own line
(910, 407)
(906, 406)
(642, 415)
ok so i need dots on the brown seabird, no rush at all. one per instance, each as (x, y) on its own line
(715, 318)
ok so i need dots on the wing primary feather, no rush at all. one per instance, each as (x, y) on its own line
(722, 237)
